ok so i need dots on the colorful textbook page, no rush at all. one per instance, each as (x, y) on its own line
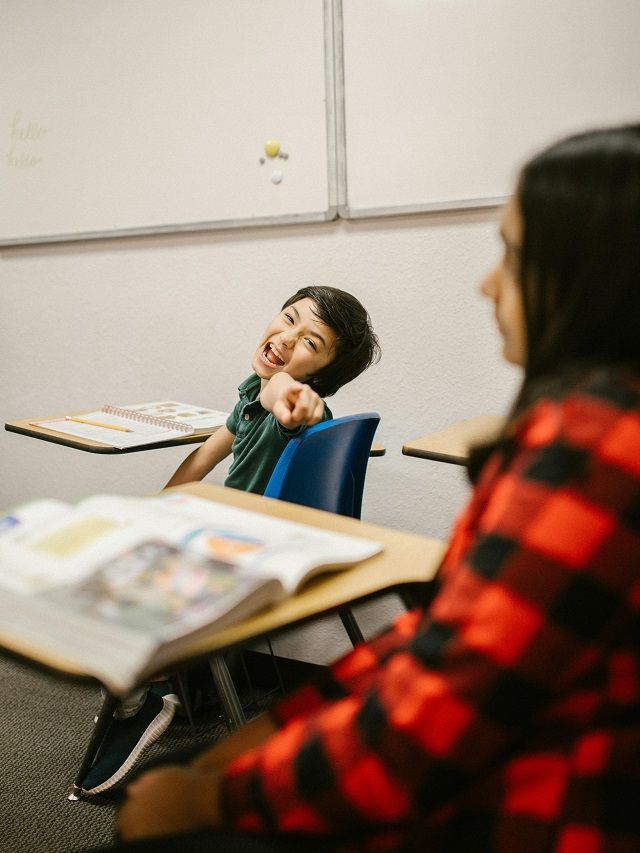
(116, 585)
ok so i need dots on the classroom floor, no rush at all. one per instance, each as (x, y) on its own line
(45, 723)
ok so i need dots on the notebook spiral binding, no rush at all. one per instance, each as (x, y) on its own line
(162, 423)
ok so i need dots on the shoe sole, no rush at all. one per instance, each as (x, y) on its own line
(156, 727)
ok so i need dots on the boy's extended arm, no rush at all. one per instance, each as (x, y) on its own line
(198, 464)
(292, 403)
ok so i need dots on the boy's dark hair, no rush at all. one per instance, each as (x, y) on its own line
(356, 346)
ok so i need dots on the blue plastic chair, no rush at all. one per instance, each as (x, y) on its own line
(325, 466)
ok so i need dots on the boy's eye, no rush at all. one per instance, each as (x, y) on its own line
(289, 318)
(312, 344)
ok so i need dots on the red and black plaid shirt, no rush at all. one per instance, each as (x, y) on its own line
(506, 718)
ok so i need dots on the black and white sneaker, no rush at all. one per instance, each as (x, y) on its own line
(124, 740)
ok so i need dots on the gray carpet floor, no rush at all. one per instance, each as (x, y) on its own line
(45, 724)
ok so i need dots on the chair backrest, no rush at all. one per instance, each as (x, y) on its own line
(325, 466)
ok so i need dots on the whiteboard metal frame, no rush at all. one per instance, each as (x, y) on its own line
(345, 212)
(327, 215)
(183, 227)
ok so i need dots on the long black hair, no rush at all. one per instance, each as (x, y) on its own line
(580, 259)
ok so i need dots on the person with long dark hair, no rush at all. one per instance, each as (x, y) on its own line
(505, 715)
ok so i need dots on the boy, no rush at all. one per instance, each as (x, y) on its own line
(321, 339)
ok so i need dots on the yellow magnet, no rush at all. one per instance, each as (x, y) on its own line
(272, 147)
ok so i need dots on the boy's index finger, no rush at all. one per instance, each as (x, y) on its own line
(309, 407)
(282, 412)
(305, 395)
(293, 391)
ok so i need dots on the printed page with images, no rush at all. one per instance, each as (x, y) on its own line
(108, 584)
(198, 418)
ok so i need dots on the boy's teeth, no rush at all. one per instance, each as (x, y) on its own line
(273, 357)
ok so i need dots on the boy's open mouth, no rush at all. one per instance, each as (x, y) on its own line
(271, 356)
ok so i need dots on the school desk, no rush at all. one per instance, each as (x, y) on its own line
(406, 559)
(452, 443)
(26, 426)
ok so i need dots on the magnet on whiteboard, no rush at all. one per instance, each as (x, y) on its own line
(262, 161)
(271, 148)
(276, 176)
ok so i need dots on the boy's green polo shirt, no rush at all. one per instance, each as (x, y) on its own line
(259, 439)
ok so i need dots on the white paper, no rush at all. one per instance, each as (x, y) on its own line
(140, 433)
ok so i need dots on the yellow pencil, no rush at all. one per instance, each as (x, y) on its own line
(96, 423)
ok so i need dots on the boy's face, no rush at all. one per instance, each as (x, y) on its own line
(296, 342)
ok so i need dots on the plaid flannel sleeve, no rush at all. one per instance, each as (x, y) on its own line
(542, 566)
(350, 675)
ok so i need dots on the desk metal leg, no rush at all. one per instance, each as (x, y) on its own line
(182, 683)
(227, 692)
(351, 626)
(104, 717)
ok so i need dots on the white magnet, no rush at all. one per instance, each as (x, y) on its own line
(276, 176)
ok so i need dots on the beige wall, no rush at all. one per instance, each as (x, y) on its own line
(136, 319)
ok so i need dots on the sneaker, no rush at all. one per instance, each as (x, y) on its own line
(124, 740)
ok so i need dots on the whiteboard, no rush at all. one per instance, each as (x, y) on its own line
(443, 100)
(138, 116)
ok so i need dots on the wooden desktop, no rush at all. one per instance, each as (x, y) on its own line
(451, 444)
(406, 559)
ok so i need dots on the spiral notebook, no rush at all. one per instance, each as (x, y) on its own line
(138, 424)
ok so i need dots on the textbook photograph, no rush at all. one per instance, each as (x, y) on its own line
(115, 586)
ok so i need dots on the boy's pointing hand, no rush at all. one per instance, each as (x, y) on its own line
(299, 405)
(291, 402)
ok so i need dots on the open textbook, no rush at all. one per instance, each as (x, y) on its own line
(138, 424)
(116, 586)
